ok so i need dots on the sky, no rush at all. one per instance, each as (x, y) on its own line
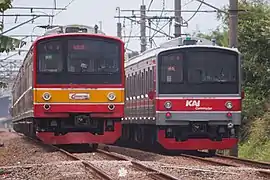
(90, 12)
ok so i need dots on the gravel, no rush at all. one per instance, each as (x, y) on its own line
(148, 156)
(31, 161)
(238, 163)
(94, 156)
(19, 150)
(187, 168)
(61, 171)
(206, 172)
(121, 170)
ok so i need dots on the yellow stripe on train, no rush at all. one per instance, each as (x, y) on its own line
(78, 96)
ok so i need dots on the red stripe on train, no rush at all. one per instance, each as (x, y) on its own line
(63, 110)
(199, 104)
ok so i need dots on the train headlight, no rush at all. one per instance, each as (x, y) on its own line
(111, 107)
(229, 105)
(47, 96)
(168, 105)
(111, 96)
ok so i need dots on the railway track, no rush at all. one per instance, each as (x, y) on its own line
(261, 167)
(103, 174)
(106, 157)
(99, 172)
(150, 172)
(240, 161)
(153, 173)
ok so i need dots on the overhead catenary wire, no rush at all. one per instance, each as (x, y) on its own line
(149, 6)
(72, 1)
(199, 7)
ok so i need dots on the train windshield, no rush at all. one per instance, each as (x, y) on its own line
(202, 71)
(93, 56)
(79, 60)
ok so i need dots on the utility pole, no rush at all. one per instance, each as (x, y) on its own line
(143, 28)
(119, 25)
(233, 17)
(178, 18)
(233, 21)
(154, 22)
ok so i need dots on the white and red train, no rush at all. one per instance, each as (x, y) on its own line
(184, 96)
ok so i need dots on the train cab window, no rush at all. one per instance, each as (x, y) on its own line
(205, 67)
(171, 68)
(50, 57)
(93, 56)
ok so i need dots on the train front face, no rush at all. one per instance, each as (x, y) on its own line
(198, 98)
(79, 89)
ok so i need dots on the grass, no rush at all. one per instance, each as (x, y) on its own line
(257, 147)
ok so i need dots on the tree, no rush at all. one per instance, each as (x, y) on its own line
(4, 5)
(6, 43)
(221, 36)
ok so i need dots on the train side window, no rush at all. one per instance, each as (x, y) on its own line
(146, 83)
(142, 82)
(151, 79)
(136, 84)
(126, 86)
(129, 86)
(132, 85)
(126, 78)
(139, 83)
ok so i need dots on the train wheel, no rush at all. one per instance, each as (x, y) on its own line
(212, 152)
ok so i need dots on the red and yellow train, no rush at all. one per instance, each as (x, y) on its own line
(70, 89)
(184, 96)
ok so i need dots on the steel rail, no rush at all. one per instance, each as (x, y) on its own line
(263, 172)
(97, 170)
(260, 164)
(155, 174)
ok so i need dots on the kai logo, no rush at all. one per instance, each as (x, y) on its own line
(192, 103)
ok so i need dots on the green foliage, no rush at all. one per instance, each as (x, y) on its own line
(6, 43)
(222, 38)
(4, 5)
(258, 145)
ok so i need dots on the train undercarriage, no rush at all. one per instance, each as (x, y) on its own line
(191, 137)
(76, 129)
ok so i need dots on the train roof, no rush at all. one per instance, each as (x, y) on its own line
(63, 29)
(174, 44)
(76, 34)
